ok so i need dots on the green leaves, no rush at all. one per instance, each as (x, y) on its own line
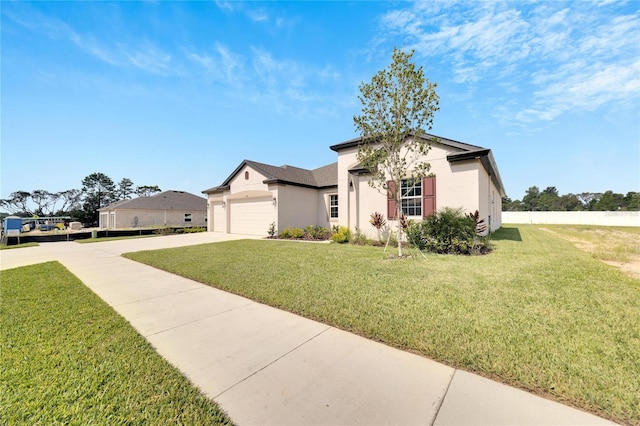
(397, 110)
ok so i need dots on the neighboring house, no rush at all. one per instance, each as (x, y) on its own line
(168, 208)
(256, 195)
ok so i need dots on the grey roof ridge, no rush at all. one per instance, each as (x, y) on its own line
(445, 141)
(268, 171)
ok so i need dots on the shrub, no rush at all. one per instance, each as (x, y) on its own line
(448, 231)
(297, 233)
(315, 232)
(341, 235)
(286, 233)
(272, 230)
(194, 229)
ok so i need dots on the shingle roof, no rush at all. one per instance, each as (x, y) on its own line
(321, 177)
(444, 141)
(167, 200)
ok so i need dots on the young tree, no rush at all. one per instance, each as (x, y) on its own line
(397, 110)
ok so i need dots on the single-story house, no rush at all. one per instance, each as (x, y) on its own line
(256, 195)
(168, 208)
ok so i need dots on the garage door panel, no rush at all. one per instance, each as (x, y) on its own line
(252, 216)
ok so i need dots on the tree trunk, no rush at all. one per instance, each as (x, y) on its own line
(398, 218)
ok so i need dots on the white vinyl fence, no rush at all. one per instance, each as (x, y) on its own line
(574, 218)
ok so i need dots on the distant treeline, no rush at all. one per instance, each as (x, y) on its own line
(98, 190)
(550, 200)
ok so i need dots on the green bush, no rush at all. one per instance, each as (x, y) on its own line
(315, 232)
(286, 233)
(342, 235)
(195, 229)
(297, 233)
(448, 231)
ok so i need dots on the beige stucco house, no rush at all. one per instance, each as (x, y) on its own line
(168, 208)
(256, 195)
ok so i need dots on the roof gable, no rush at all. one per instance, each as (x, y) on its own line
(321, 177)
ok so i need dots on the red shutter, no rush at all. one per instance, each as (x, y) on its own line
(391, 200)
(428, 196)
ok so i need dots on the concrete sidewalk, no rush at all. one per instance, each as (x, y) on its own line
(267, 366)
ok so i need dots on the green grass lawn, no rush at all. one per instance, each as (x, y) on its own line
(104, 239)
(608, 243)
(536, 313)
(17, 246)
(68, 358)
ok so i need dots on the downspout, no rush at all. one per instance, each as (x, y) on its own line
(490, 213)
(348, 191)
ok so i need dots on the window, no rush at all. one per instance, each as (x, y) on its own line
(246, 175)
(333, 206)
(411, 197)
(187, 218)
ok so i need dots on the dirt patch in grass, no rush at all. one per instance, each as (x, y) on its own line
(617, 247)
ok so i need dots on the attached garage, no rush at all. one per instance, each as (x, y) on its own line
(252, 198)
(251, 216)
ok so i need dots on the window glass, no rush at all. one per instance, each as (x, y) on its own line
(333, 206)
(411, 197)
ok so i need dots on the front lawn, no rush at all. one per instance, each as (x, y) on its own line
(68, 358)
(536, 313)
(16, 246)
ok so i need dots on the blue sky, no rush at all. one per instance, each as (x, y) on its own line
(177, 94)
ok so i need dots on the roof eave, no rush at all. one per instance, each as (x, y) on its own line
(217, 189)
(287, 182)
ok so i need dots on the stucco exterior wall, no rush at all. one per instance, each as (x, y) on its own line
(297, 207)
(119, 219)
(253, 183)
(465, 185)
(322, 212)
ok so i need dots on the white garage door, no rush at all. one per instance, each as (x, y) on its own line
(252, 216)
(219, 218)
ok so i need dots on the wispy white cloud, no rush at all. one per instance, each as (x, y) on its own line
(282, 85)
(221, 65)
(255, 12)
(142, 55)
(562, 56)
